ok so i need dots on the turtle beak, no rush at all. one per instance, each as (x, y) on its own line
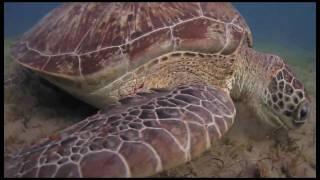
(302, 113)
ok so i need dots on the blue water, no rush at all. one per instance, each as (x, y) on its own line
(290, 25)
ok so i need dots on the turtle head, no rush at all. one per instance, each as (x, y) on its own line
(285, 101)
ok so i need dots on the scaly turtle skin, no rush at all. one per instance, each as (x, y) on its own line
(164, 75)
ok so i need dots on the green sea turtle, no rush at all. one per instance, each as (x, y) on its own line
(164, 75)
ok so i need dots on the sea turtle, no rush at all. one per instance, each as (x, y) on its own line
(164, 75)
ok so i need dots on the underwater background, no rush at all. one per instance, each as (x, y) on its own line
(285, 29)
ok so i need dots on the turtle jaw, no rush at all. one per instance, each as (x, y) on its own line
(274, 119)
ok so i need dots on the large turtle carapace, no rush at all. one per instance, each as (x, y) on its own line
(85, 48)
(172, 68)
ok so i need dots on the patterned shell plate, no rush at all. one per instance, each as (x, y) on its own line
(81, 39)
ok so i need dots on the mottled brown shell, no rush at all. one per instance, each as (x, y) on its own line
(85, 39)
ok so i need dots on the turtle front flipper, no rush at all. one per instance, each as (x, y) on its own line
(145, 134)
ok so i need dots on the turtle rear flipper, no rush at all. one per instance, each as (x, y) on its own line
(145, 134)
